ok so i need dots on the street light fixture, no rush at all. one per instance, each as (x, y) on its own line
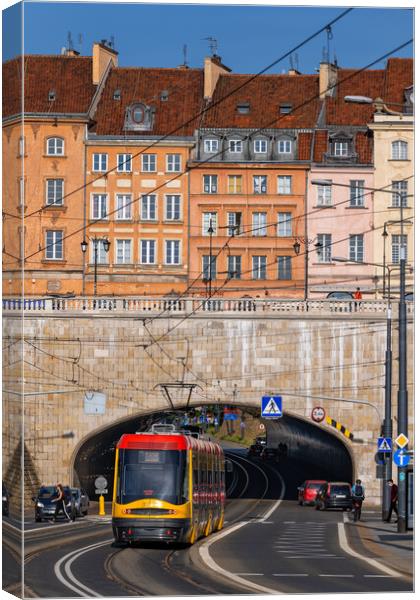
(402, 352)
(296, 247)
(96, 241)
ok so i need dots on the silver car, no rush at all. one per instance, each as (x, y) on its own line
(81, 501)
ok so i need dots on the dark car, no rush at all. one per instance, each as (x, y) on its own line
(255, 450)
(260, 441)
(307, 492)
(340, 295)
(44, 505)
(81, 501)
(335, 494)
(6, 499)
(269, 454)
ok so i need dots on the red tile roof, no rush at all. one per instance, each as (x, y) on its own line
(185, 100)
(264, 93)
(69, 76)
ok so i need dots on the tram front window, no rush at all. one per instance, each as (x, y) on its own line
(157, 474)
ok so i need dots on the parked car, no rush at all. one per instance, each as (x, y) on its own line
(340, 295)
(260, 441)
(6, 498)
(334, 494)
(44, 505)
(307, 492)
(269, 454)
(81, 501)
(254, 450)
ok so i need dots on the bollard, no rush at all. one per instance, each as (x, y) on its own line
(101, 506)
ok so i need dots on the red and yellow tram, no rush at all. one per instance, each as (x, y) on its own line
(167, 487)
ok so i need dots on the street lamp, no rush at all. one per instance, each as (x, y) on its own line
(296, 247)
(402, 352)
(210, 231)
(96, 241)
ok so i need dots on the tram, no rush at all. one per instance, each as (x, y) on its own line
(168, 486)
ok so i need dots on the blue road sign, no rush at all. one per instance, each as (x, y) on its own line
(271, 407)
(230, 417)
(401, 458)
(384, 444)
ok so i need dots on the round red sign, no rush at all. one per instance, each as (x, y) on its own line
(318, 414)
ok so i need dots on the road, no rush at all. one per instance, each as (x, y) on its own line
(269, 545)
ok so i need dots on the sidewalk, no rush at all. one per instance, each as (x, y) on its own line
(376, 539)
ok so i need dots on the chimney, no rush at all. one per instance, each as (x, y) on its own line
(294, 72)
(213, 68)
(328, 76)
(101, 56)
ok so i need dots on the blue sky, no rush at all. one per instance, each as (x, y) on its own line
(248, 37)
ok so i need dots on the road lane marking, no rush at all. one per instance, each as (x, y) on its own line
(290, 575)
(382, 576)
(250, 574)
(333, 575)
(371, 561)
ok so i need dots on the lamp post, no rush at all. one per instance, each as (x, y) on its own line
(296, 247)
(210, 231)
(402, 411)
(95, 241)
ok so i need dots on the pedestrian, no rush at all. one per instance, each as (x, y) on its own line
(358, 496)
(357, 296)
(242, 427)
(394, 500)
(60, 503)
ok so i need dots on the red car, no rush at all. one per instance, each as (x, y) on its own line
(308, 491)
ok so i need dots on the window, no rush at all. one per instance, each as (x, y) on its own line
(260, 146)
(284, 184)
(341, 148)
(21, 148)
(324, 252)
(124, 163)
(55, 146)
(234, 184)
(356, 248)
(148, 208)
(400, 189)
(99, 206)
(102, 256)
(399, 150)
(357, 192)
(172, 252)
(99, 162)
(324, 194)
(173, 163)
(148, 163)
(284, 146)
(396, 247)
(210, 184)
(55, 189)
(235, 146)
(260, 184)
(209, 218)
(259, 223)
(284, 267)
(211, 146)
(234, 267)
(284, 224)
(285, 109)
(173, 207)
(148, 252)
(209, 271)
(123, 206)
(54, 245)
(234, 221)
(243, 108)
(123, 252)
(259, 267)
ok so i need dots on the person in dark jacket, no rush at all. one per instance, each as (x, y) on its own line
(394, 500)
(60, 503)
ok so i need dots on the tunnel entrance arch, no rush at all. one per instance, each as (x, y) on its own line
(322, 453)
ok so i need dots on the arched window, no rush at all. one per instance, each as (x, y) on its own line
(55, 146)
(399, 150)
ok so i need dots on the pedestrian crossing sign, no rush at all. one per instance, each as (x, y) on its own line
(271, 407)
(384, 444)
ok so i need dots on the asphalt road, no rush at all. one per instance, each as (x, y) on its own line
(269, 543)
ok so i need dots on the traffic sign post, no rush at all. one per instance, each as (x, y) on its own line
(401, 459)
(101, 485)
(318, 414)
(271, 407)
(384, 444)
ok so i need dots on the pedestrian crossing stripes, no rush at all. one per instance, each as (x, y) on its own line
(340, 428)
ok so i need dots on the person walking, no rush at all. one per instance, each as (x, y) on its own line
(60, 503)
(358, 297)
(394, 500)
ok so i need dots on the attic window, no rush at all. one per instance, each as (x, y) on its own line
(243, 108)
(117, 94)
(51, 95)
(285, 109)
(164, 96)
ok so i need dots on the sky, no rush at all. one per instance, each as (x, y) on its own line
(248, 37)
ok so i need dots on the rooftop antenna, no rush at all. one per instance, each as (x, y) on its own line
(112, 42)
(69, 41)
(296, 61)
(80, 39)
(184, 51)
(212, 45)
(329, 33)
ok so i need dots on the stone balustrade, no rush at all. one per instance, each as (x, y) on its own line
(187, 306)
